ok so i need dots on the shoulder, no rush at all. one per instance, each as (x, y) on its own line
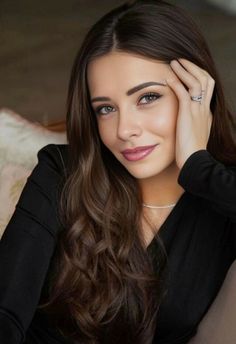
(48, 176)
(52, 164)
(54, 156)
(39, 199)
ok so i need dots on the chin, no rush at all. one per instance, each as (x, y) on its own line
(149, 169)
(144, 173)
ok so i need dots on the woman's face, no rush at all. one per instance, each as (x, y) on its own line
(131, 113)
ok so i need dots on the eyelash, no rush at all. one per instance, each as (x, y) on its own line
(150, 94)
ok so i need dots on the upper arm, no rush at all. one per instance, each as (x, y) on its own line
(28, 243)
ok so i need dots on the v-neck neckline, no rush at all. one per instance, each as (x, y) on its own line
(169, 221)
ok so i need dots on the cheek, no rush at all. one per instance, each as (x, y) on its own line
(105, 133)
(165, 117)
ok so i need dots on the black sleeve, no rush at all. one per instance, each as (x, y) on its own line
(27, 245)
(204, 176)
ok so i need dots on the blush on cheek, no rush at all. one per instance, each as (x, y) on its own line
(163, 116)
(164, 123)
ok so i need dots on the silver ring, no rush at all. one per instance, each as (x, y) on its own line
(198, 98)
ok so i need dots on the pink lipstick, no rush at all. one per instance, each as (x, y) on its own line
(138, 153)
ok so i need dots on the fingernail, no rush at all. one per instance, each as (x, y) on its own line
(175, 62)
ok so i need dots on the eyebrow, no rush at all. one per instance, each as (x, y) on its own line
(132, 90)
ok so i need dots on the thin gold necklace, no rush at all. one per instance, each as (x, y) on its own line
(158, 207)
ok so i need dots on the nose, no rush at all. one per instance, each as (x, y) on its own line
(128, 125)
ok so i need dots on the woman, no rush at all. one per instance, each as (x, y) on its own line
(126, 234)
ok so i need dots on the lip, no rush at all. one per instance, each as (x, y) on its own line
(138, 153)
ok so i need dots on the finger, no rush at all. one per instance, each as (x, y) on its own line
(196, 70)
(209, 91)
(193, 84)
(190, 81)
(183, 96)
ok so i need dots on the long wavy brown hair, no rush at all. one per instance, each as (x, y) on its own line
(105, 286)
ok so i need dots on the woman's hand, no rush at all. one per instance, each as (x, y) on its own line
(194, 118)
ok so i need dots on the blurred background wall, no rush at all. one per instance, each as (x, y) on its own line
(39, 40)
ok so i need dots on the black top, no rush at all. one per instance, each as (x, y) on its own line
(199, 235)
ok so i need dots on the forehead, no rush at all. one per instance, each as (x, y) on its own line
(124, 69)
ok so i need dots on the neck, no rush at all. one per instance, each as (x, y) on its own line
(162, 189)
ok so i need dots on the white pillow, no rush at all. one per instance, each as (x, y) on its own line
(20, 139)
